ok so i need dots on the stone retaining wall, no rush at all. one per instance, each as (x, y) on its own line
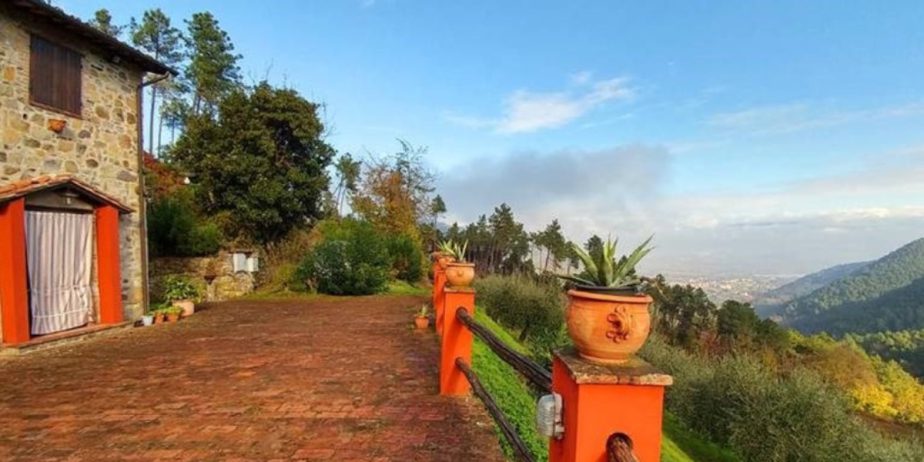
(215, 276)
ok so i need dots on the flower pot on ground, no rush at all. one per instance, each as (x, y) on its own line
(607, 317)
(459, 273)
(188, 307)
(422, 320)
(158, 317)
(147, 319)
(180, 292)
(173, 314)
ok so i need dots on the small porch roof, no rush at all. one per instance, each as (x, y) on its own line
(24, 188)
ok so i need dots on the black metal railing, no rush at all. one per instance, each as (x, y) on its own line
(540, 377)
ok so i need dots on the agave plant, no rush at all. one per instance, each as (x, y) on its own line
(454, 250)
(602, 271)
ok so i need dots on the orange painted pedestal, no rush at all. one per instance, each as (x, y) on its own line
(456, 341)
(598, 401)
(439, 287)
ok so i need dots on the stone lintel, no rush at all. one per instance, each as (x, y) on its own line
(632, 372)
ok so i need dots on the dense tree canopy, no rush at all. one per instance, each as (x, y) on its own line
(261, 162)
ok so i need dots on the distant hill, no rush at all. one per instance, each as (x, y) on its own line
(887, 294)
(771, 302)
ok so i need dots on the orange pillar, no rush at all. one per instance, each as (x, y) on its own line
(456, 341)
(108, 265)
(14, 288)
(598, 401)
(439, 286)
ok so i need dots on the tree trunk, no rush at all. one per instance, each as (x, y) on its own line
(160, 131)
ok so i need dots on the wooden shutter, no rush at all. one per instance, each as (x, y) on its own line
(54, 76)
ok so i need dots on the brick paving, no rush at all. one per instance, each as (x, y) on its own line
(327, 379)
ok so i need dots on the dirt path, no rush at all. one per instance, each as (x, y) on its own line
(332, 379)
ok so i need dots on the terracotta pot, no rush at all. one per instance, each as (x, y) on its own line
(187, 305)
(434, 256)
(57, 125)
(444, 261)
(460, 274)
(607, 329)
(422, 322)
(173, 317)
(158, 318)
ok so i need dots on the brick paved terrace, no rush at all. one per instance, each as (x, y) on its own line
(326, 379)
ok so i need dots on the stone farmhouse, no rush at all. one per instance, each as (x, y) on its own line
(72, 234)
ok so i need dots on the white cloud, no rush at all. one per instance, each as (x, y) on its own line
(794, 117)
(527, 111)
(791, 228)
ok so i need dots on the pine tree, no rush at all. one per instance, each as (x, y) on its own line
(213, 71)
(102, 20)
(163, 42)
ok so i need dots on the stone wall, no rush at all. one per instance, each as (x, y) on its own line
(100, 147)
(214, 276)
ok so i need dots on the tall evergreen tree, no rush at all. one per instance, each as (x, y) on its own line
(102, 20)
(155, 35)
(213, 71)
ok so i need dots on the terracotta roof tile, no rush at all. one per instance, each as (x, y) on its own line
(23, 188)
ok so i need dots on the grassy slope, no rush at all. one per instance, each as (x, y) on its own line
(518, 403)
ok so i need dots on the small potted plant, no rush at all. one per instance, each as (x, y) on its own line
(180, 292)
(147, 318)
(459, 273)
(445, 255)
(173, 313)
(607, 315)
(422, 321)
(159, 314)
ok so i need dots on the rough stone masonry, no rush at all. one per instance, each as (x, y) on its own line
(100, 147)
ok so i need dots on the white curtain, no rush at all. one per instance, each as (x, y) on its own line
(59, 255)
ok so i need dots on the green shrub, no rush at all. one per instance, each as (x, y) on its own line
(517, 302)
(351, 260)
(175, 229)
(407, 258)
(738, 403)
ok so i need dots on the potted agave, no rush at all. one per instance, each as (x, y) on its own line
(459, 273)
(444, 256)
(180, 292)
(422, 321)
(607, 315)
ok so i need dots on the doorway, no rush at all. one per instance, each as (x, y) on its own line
(59, 257)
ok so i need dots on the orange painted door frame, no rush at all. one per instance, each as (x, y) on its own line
(108, 265)
(14, 286)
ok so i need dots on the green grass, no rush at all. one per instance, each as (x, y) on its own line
(518, 403)
(405, 288)
(283, 293)
(694, 448)
(513, 396)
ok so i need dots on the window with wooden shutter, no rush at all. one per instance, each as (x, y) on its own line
(54, 77)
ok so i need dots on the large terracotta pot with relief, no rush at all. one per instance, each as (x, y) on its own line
(444, 260)
(460, 275)
(607, 328)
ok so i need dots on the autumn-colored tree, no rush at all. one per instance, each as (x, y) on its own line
(394, 193)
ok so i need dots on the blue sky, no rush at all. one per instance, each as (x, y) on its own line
(749, 137)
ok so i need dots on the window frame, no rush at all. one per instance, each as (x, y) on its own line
(32, 58)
